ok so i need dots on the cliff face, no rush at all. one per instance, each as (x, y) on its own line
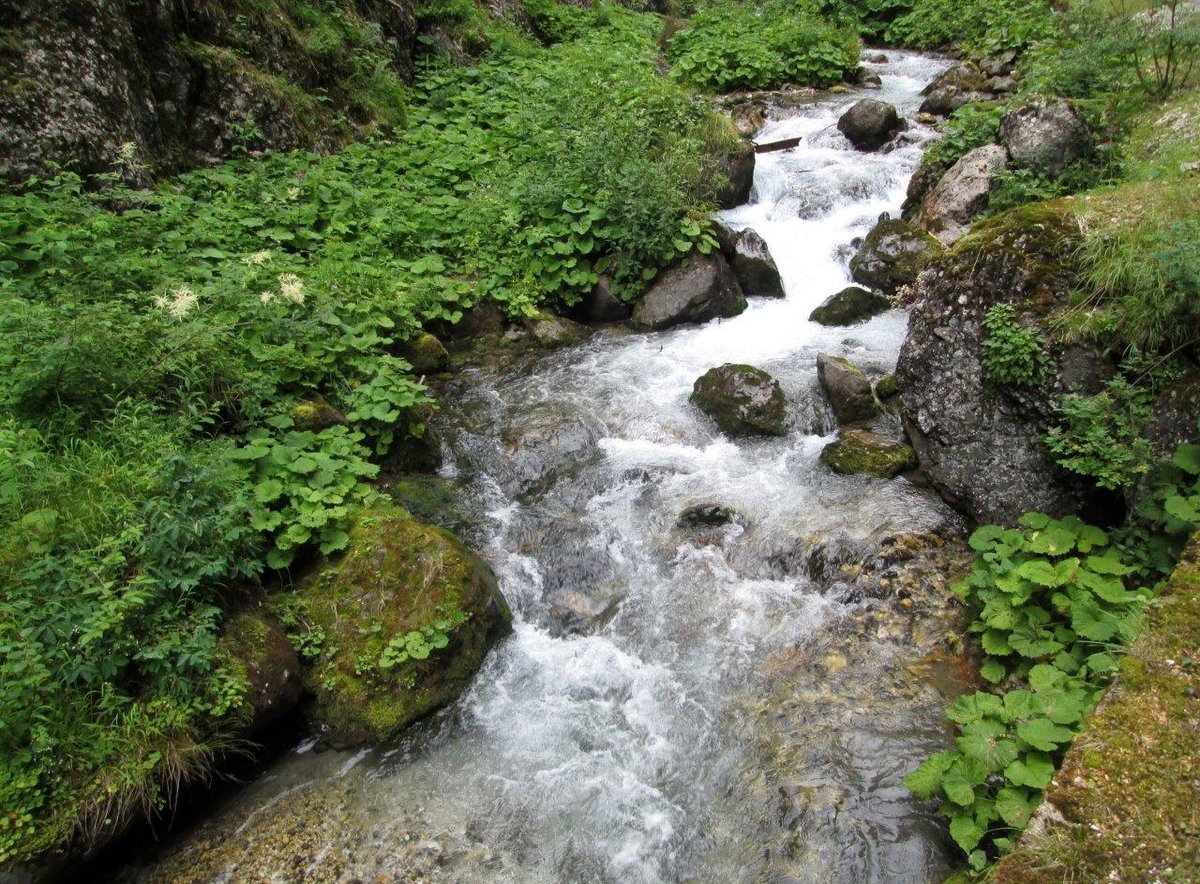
(150, 86)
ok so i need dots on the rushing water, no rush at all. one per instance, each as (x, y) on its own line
(672, 705)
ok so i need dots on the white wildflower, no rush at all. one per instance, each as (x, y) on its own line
(258, 259)
(183, 299)
(293, 192)
(292, 287)
(162, 302)
(266, 296)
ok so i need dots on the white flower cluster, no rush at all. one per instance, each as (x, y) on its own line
(291, 288)
(179, 303)
(257, 259)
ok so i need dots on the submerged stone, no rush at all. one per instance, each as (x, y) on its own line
(708, 515)
(742, 400)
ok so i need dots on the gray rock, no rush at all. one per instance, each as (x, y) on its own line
(1045, 136)
(1001, 85)
(848, 389)
(876, 58)
(945, 100)
(742, 400)
(737, 168)
(999, 64)
(919, 185)
(550, 330)
(869, 124)
(981, 446)
(708, 515)
(726, 238)
(892, 255)
(964, 76)
(601, 305)
(700, 289)
(482, 320)
(849, 306)
(961, 195)
(754, 267)
(864, 76)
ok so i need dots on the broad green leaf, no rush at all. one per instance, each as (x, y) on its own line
(958, 789)
(1040, 572)
(972, 707)
(1182, 508)
(268, 490)
(1108, 563)
(984, 741)
(332, 541)
(995, 642)
(1090, 537)
(1021, 704)
(1036, 521)
(966, 833)
(1053, 540)
(984, 538)
(1187, 458)
(926, 780)
(1033, 769)
(1092, 622)
(993, 671)
(1046, 679)
(1042, 733)
(1015, 806)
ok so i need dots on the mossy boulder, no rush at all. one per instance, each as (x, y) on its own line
(430, 498)
(892, 255)
(861, 451)
(849, 306)
(735, 175)
(425, 353)
(256, 649)
(742, 400)
(885, 388)
(393, 629)
(847, 388)
(316, 414)
(550, 330)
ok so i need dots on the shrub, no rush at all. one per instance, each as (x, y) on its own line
(979, 25)
(1013, 354)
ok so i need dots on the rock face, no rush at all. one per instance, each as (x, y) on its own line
(849, 306)
(861, 451)
(848, 389)
(255, 641)
(700, 289)
(964, 75)
(981, 446)
(954, 87)
(1045, 136)
(892, 255)
(395, 628)
(738, 168)
(165, 86)
(754, 267)
(742, 400)
(961, 195)
(869, 124)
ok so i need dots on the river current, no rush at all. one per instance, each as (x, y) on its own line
(673, 704)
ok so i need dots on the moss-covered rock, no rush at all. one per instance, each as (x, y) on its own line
(431, 499)
(316, 414)
(892, 255)
(885, 388)
(849, 306)
(257, 650)
(742, 400)
(425, 353)
(861, 451)
(550, 330)
(847, 388)
(395, 628)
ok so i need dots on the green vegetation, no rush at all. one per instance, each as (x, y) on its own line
(155, 454)
(1013, 354)
(730, 45)
(979, 26)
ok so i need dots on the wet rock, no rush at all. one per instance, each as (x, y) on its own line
(861, 451)
(1001, 85)
(431, 499)
(549, 330)
(864, 76)
(737, 167)
(1174, 415)
(876, 58)
(254, 640)
(544, 448)
(700, 289)
(397, 626)
(742, 400)
(708, 515)
(885, 388)
(999, 64)
(849, 306)
(601, 305)
(869, 124)
(848, 389)
(420, 453)
(726, 238)
(1045, 136)
(965, 76)
(482, 320)
(892, 255)
(923, 180)
(961, 195)
(947, 99)
(754, 267)
(981, 446)
(316, 414)
(425, 354)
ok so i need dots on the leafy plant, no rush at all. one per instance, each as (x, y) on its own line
(971, 126)
(1013, 354)
(418, 644)
(1100, 436)
(977, 25)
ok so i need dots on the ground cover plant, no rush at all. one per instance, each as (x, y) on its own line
(155, 462)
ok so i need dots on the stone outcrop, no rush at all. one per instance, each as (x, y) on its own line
(980, 444)
(1045, 136)
(869, 124)
(954, 87)
(892, 255)
(254, 641)
(961, 194)
(737, 168)
(754, 267)
(849, 306)
(395, 628)
(703, 287)
(742, 400)
(848, 389)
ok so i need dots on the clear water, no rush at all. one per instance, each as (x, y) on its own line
(625, 731)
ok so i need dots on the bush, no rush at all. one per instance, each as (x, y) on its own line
(978, 25)
(731, 45)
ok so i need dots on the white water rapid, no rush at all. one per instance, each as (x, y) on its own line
(636, 726)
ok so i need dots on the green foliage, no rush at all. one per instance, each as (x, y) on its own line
(419, 644)
(1013, 354)
(1163, 43)
(1050, 605)
(971, 126)
(870, 18)
(1100, 436)
(978, 25)
(730, 45)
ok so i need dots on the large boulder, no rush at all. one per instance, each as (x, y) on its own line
(754, 267)
(703, 287)
(602, 305)
(869, 124)
(959, 84)
(255, 645)
(961, 195)
(981, 444)
(964, 75)
(849, 306)
(848, 389)
(946, 100)
(425, 353)
(861, 451)
(742, 400)
(393, 629)
(550, 330)
(1045, 136)
(919, 185)
(737, 170)
(892, 255)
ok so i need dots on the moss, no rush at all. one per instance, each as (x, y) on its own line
(426, 354)
(886, 387)
(399, 577)
(430, 499)
(1127, 788)
(860, 451)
